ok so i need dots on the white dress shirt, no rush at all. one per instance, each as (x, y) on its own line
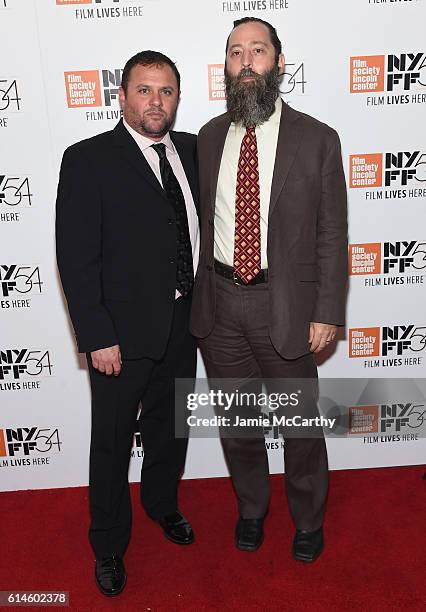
(145, 145)
(224, 221)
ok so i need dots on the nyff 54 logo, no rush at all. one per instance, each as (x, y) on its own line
(387, 418)
(10, 99)
(391, 73)
(19, 280)
(398, 168)
(15, 190)
(92, 87)
(20, 363)
(387, 341)
(27, 440)
(387, 257)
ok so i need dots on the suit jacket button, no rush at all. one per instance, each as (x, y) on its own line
(211, 222)
(170, 221)
(209, 268)
(171, 260)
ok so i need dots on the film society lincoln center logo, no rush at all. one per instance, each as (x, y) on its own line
(94, 89)
(388, 346)
(389, 79)
(391, 175)
(391, 263)
(390, 422)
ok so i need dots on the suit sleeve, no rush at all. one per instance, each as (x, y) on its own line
(332, 240)
(79, 251)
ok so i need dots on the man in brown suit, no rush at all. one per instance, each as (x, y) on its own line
(271, 284)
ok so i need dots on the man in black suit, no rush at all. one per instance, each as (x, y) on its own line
(127, 248)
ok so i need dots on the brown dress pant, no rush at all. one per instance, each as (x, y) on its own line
(239, 347)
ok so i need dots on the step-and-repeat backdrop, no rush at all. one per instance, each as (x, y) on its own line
(358, 65)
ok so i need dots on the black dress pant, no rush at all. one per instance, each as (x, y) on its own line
(115, 402)
(239, 348)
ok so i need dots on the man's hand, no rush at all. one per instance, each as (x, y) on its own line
(320, 335)
(107, 360)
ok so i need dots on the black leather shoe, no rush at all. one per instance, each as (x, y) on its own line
(249, 534)
(177, 529)
(110, 575)
(308, 545)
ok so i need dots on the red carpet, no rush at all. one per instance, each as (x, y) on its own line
(375, 554)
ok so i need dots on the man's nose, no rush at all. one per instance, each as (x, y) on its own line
(246, 59)
(155, 99)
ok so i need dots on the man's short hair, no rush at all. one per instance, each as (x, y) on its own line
(272, 33)
(147, 58)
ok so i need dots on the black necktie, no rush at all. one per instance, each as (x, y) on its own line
(184, 266)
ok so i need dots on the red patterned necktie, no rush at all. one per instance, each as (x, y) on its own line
(247, 211)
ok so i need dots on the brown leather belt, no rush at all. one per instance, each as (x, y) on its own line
(229, 272)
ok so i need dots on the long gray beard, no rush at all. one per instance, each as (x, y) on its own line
(252, 103)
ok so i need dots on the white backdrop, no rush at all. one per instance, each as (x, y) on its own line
(359, 65)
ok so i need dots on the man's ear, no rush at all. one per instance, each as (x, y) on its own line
(121, 96)
(281, 64)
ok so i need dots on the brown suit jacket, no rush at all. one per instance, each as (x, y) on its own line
(307, 231)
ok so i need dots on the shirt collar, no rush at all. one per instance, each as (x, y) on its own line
(273, 120)
(144, 143)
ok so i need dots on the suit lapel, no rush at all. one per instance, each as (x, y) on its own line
(128, 148)
(219, 137)
(289, 137)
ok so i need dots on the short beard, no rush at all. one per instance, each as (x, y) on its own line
(252, 103)
(162, 131)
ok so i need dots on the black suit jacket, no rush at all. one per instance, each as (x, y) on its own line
(116, 243)
(307, 231)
